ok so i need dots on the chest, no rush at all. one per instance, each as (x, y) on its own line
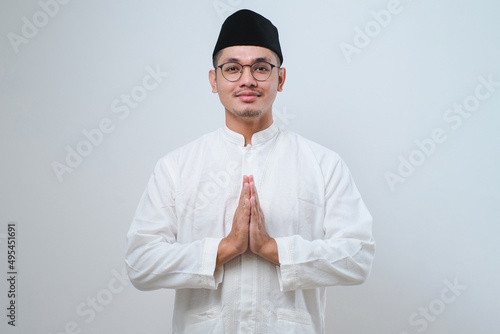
(290, 188)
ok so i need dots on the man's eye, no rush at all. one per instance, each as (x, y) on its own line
(232, 69)
(261, 68)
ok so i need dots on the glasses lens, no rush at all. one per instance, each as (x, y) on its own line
(231, 71)
(261, 71)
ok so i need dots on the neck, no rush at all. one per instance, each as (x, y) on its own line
(248, 126)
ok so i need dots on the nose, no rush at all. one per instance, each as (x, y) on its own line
(247, 78)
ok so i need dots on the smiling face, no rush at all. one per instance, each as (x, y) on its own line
(247, 98)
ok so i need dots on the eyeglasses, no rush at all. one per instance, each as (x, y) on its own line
(261, 71)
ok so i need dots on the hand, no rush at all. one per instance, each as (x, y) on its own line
(260, 242)
(236, 242)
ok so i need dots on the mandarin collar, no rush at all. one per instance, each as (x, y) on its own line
(257, 138)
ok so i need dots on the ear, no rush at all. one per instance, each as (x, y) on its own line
(212, 77)
(281, 78)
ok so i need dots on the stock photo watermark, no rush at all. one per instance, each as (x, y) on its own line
(454, 118)
(32, 25)
(121, 107)
(88, 310)
(224, 8)
(12, 272)
(363, 36)
(421, 319)
(217, 183)
(282, 118)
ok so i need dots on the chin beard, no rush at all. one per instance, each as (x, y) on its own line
(247, 113)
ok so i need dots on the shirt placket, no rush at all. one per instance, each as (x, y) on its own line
(248, 260)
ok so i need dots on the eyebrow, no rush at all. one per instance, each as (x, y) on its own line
(256, 60)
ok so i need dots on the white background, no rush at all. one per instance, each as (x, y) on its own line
(436, 226)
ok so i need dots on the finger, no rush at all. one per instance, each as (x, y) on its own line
(252, 185)
(242, 187)
(244, 190)
(254, 207)
(248, 207)
(252, 211)
(246, 186)
(254, 193)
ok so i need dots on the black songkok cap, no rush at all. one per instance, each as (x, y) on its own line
(246, 27)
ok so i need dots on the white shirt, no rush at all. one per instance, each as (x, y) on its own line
(311, 207)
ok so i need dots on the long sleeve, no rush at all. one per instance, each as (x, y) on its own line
(345, 254)
(154, 257)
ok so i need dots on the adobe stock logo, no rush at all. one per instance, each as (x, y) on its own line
(225, 7)
(122, 108)
(97, 303)
(282, 117)
(373, 28)
(421, 319)
(364, 35)
(454, 117)
(30, 27)
(217, 183)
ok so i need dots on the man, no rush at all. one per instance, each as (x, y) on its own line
(249, 223)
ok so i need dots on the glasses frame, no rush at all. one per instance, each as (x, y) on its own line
(251, 70)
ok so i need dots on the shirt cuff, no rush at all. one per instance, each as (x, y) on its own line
(211, 276)
(286, 271)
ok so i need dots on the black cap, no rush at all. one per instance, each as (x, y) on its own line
(246, 27)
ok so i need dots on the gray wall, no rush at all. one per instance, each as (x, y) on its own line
(407, 92)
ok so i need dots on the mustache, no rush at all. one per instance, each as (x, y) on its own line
(248, 90)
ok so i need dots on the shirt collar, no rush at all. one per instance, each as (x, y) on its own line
(257, 138)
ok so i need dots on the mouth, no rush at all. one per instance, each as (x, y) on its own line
(247, 96)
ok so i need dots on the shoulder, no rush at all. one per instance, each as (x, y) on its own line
(335, 172)
(308, 148)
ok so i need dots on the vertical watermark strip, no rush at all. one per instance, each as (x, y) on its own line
(12, 273)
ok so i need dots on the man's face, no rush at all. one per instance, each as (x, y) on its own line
(247, 97)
